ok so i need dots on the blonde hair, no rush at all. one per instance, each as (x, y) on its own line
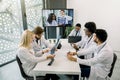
(25, 39)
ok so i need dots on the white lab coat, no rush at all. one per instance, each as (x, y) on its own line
(73, 33)
(29, 60)
(42, 44)
(100, 63)
(87, 45)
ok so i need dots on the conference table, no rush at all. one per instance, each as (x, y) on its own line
(61, 64)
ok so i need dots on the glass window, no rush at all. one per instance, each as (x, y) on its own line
(10, 29)
(34, 13)
(11, 25)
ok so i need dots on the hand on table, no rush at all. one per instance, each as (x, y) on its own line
(50, 56)
(46, 50)
(70, 57)
(72, 53)
(56, 49)
(75, 46)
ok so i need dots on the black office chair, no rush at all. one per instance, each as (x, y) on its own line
(113, 65)
(26, 77)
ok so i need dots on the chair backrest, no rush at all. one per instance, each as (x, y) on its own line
(21, 68)
(113, 64)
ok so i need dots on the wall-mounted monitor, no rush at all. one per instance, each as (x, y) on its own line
(57, 17)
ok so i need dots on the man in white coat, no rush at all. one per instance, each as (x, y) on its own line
(100, 64)
(76, 31)
(86, 46)
(40, 43)
(87, 43)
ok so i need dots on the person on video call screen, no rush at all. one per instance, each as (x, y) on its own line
(51, 21)
(63, 18)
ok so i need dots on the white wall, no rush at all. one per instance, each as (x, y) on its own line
(105, 13)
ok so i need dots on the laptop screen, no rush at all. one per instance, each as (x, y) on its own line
(74, 39)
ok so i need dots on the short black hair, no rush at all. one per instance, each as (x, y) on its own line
(78, 25)
(91, 26)
(101, 34)
(62, 10)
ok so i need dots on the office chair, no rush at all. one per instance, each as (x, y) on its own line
(112, 66)
(26, 77)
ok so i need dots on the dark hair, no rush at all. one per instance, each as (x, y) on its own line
(62, 10)
(91, 26)
(50, 18)
(78, 25)
(101, 34)
(38, 30)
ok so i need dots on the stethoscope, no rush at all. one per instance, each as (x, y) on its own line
(88, 41)
(38, 41)
(101, 48)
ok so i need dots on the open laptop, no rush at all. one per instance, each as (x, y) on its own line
(74, 39)
(52, 51)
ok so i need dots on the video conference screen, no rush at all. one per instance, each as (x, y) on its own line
(57, 17)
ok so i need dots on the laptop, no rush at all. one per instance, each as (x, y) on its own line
(74, 39)
(52, 51)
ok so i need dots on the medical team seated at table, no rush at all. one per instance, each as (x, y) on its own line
(94, 54)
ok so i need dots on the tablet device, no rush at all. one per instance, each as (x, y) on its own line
(52, 51)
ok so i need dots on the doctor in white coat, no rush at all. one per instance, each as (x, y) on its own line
(85, 47)
(40, 43)
(76, 31)
(103, 57)
(87, 44)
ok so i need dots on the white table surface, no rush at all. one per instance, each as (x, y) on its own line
(61, 64)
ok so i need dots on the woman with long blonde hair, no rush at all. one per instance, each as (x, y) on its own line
(27, 55)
